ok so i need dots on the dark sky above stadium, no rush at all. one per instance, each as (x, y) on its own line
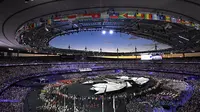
(107, 42)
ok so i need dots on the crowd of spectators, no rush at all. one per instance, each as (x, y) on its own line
(15, 97)
(10, 71)
(192, 105)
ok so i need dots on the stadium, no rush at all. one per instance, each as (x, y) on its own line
(99, 56)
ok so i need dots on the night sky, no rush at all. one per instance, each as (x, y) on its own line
(107, 42)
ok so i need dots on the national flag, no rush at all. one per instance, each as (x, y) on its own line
(32, 25)
(162, 17)
(168, 18)
(173, 20)
(197, 26)
(72, 17)
(155, 17)
(49, 21)
(26, 27)
(82, 16)
(124, 15)
(187, 23)
(64, 18)
(104, 15)
(178, 20)
(148, 16)
(114, 15)
(192, 24)
(96, 15)
(57, 19)
(182, 21)
(131, 16)
(140, 15)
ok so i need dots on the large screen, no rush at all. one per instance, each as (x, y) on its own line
(146, 57)
(151, 57)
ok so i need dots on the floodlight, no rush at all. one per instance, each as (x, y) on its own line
(104, 32)
(111, 32)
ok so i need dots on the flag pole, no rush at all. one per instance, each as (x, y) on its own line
(64, 105)
(74, 104)
(102, 104)
(103, 99)
(114, 103)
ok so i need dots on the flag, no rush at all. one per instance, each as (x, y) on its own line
(167, 18)
(83, 16)
(162, 17)
(155, 17)
(148, 16)
(97, 15)
(114, 15)
(49, 21)
(124, 15)
(140, 15)
(192, 24)
(187, 23)
(173, 20)
(64, 18)
(56, 19)
(178, 20)
(26, 27)
(197, 26)
(72, 17)
(132, 15)
(182, 21)
(104, 15)
(31, 26)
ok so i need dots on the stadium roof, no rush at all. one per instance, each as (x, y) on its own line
(15, 13)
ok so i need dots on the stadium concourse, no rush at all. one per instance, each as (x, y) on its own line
(99, 56)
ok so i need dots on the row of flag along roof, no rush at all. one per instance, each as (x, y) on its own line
(125, 15)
